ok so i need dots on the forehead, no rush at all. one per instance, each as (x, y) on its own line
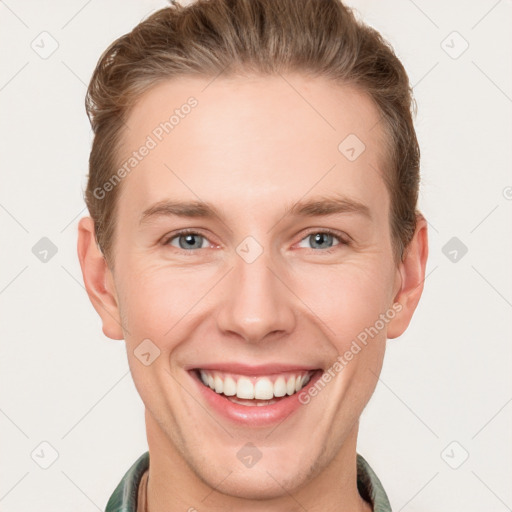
(241, 140)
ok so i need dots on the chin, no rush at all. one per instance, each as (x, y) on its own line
(257, 484)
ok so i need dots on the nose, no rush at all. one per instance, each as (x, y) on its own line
(256, 305)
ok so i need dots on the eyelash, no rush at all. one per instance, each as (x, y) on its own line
(342, 241)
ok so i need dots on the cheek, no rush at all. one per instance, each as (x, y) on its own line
(347, 298)
(154, 300)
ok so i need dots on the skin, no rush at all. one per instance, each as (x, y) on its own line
(253, 147)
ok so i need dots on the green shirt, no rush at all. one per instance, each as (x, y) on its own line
(124, 498)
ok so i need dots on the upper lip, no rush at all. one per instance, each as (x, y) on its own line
(246, 369)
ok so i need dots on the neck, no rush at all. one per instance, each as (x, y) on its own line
(174, 486)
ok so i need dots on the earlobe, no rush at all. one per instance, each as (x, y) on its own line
(98, 280)
(411, 276)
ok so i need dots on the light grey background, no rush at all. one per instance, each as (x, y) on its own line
(445, 389)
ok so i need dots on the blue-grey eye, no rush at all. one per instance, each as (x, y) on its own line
(321, 240)
(187, 241)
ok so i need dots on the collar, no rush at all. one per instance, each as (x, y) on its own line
(124, 497)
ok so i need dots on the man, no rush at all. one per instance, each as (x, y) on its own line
(254, 239)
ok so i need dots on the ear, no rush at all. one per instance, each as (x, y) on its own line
(98, 280)
(410, 279)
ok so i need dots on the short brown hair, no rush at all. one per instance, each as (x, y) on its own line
(315, 37)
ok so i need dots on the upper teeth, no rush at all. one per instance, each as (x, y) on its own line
(262, 388)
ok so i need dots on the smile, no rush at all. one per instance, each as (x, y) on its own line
(253, 396)
(255, 389)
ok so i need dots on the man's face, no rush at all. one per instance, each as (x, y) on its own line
(259, 293)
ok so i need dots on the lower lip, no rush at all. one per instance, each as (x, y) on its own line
(253, 415)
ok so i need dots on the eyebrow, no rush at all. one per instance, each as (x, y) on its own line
(318, 206)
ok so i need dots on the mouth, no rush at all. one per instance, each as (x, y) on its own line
(254, 391)
(253, 398)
